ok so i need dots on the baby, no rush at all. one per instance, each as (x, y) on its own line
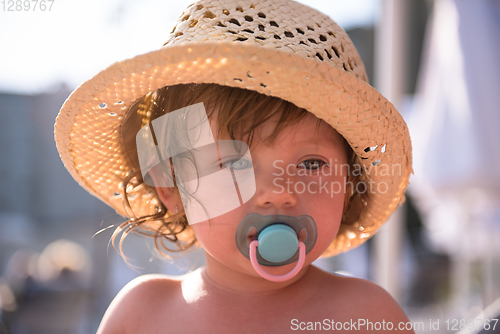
(252, 133)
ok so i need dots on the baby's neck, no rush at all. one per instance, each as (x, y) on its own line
(218, 279)
(244, 285)
(253, 293)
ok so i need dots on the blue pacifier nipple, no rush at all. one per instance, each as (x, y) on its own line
(278, 243)
(277, 236)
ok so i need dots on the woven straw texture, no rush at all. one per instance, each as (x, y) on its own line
(275, 47)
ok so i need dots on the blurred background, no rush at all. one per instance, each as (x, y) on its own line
(436, 60)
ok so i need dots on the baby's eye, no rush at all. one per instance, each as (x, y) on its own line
(237, 164)
(313, 163)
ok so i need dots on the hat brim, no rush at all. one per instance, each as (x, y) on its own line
(94, 144)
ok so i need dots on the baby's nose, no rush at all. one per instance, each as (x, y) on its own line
(272, 190)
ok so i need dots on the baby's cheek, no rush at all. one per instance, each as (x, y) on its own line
(329, 230)
(214, 236)
(329, 224)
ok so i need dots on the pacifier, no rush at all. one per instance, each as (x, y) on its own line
(279, 240)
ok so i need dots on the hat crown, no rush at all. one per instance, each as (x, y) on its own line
(279, 24)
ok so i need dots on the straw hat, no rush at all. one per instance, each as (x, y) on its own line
(275, 47)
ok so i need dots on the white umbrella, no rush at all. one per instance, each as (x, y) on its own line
(455, 132)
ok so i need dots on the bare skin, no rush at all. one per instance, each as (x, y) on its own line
(196, 304)
(227, 295)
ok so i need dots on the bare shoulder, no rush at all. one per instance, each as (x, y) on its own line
(134, 300)
(363, 299)
(369, 298)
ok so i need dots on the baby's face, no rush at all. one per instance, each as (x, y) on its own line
(302, 173)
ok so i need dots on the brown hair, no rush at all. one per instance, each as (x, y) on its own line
(240, 113)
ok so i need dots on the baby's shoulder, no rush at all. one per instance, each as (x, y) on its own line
(357, 292)
(147, 289)
(356, 298)
(152, 284)
(139, 297)
(349, 285)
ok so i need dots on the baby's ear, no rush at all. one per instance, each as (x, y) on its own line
(166, 195)
(171, 198)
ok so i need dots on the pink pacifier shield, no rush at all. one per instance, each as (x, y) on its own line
(304, 223)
